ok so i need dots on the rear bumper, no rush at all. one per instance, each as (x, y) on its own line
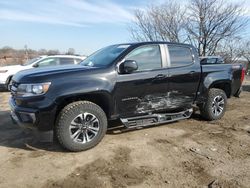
(32, 118)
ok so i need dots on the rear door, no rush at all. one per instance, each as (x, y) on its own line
(184, 76)
(142, 92)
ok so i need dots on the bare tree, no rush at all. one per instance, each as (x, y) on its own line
(246, 54)
(246, 51)
(169, 21)
(71, 51)
(231, 50)
(164, 22)
(204, 23)
(209, 22)
(143, 29)
(236, 50)
(53, 52)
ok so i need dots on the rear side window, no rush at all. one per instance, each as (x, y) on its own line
(180, 56)
(66, 61)
(147, 57)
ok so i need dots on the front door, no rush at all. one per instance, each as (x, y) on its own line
(142, 91)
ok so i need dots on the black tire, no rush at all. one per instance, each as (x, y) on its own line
(209, 110)
(71, 113)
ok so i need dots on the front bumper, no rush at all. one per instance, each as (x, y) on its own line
(32, 118)
(17, 120)
(21, 116)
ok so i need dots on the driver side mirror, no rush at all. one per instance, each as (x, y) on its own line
(35, 65)
(128, 66)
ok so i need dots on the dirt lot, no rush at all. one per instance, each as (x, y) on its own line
(189, 153)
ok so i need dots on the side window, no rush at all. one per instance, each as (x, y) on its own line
(220, 61)
(147, 57)
(180, 56)
(66, 61)
(48, 62)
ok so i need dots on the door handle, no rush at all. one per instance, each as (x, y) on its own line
(160, 76)
(191, 72)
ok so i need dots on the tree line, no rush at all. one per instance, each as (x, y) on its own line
(11, 56)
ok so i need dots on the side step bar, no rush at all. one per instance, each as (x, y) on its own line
(155, 119)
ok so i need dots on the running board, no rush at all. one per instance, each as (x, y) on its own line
(155, 119)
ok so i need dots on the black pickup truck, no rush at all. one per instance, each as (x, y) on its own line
(140, 84)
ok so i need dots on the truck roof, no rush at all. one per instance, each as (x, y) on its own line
(155, 42)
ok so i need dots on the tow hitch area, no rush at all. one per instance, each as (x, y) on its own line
(155, 119)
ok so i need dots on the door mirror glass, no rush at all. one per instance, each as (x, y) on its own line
(128, 66)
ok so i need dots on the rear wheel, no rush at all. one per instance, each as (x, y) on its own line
(81, 126)
(215, 106)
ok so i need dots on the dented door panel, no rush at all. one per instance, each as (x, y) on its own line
(140, 93)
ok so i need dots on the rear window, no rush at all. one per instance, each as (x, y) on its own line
(180, 56)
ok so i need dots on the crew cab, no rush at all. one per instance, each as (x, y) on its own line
(7, 72)
(139, 84)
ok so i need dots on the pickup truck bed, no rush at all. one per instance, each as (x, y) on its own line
(229, 77)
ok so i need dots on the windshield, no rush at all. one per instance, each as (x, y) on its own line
(105, 56)
(31, 61)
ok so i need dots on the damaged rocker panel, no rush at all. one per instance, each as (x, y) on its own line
(155, 119)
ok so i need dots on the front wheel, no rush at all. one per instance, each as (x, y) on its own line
(81, 125)
(215, 106)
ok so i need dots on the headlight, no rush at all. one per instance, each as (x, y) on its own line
(3, 71)
(27, 90)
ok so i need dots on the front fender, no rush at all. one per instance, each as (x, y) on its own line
(95, 89)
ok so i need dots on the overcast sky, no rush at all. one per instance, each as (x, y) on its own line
(85, 25)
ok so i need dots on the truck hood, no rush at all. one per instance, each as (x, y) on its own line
(41, 74)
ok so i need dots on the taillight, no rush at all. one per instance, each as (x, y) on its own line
(242, 75)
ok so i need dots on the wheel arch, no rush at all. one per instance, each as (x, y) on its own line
(223, 85)
(102, 99)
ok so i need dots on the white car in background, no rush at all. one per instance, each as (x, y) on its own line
(7, 72)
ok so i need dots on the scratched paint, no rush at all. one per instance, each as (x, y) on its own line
(157, 102)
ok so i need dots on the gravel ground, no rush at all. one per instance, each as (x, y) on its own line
(188, 153)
